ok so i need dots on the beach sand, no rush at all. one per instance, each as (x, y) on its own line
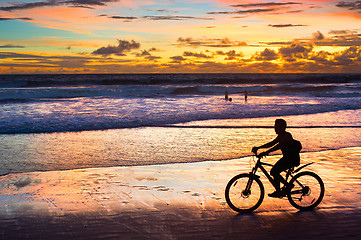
(175, 201)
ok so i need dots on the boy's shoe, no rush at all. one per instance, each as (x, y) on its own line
(285, 188)
(282, 193)
(276, 194)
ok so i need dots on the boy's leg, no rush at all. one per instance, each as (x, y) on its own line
(282, 165)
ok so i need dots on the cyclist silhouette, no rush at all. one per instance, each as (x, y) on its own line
(290, 149)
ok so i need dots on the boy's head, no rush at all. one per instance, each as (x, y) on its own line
(280, 126)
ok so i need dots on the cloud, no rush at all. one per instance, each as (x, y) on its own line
(161, 10)
(266, 55)
(266, 7)
(120, 50)
(277, 43)
(318, 36)
(52, 3)
(348, 60)
(44, 62)
(225, 42)
(338, 38)
(177, 59)
(11, 46)
(242, 11)
(356, 5)
(157, 18)
(301, 56)
(321, 57)
(126, 19)
(10, 19)
(170, 17)
(191, 42)
(147, 55)
(231, 55)
(286, 25)
(197, 55)
(31, 5)
(268, 4)
(152, 58)
(153, 49)
(296, 50)
(342, 32)
(344, 38)
(144, 53)
(12, 55)
(295, 11)
(306, 60)
(350, 56)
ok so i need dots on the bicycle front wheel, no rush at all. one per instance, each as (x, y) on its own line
(244, 193)
(307, 191)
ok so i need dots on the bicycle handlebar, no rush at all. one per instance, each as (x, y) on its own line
(261, 155)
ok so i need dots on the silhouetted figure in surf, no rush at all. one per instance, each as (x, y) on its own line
(226, 95)
(290, 149)
(245, 95)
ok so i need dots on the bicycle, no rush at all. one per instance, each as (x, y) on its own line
(245, 192)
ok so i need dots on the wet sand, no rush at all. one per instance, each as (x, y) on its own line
(175, 201)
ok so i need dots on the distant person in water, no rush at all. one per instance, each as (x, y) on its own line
(230, 99)
(226, 95)
(290, 149)
(245, 95)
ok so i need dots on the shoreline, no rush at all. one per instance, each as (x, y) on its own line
(199, 141)
(175, 201)
(273, 156)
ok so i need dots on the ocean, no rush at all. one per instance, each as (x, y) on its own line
(57, 122)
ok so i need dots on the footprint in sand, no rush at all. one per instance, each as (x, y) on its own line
(161, 188)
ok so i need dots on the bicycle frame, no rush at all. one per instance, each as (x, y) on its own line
(260, 164)
(303, 189)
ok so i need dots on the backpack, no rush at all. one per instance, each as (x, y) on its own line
(297, 146)
(294, 147)
(294, 152)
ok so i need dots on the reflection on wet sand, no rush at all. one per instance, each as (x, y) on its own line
(144, 146)
(180, 201)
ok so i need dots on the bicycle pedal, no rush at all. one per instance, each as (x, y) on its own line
(275, 195)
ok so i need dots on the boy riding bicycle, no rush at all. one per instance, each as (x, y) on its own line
(290, 149)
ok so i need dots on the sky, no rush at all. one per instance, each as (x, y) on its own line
(186, 36)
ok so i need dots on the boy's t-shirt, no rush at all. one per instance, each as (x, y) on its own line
(290, 148)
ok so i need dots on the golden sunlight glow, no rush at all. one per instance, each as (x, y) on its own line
(197, 36)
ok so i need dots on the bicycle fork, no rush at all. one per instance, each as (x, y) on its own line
(253, 175)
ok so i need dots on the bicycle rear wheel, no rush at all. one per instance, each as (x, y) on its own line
(307, 191)
(239, 198)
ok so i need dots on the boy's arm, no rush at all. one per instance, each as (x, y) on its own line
(270, 144)
(275, 148)
(267, 145)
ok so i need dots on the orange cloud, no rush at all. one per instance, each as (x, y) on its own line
(206, 42)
